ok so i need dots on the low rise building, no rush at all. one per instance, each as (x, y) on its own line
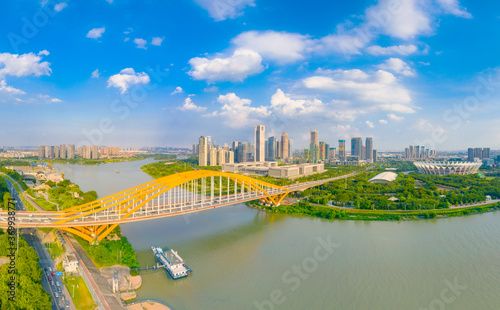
(70, 263)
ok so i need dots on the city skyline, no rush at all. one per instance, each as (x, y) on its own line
(305, 68)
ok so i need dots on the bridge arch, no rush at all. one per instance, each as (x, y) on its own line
(171, 195)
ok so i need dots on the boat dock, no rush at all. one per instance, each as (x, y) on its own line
(172, 262)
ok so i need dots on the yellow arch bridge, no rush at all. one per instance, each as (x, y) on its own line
(175, 194)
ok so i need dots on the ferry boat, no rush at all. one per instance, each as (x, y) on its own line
(172, 262)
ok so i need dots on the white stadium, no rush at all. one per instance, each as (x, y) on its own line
(448, 167)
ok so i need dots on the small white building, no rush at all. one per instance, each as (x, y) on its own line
(70, 263)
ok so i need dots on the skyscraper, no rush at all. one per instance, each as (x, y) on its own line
(290, 148)
(71, 151)
(369, 149)
(260, 147)
(342, 150)
(284, 146)
(63, 151)
(314, 151)
(41, 151)
(356, 147)
(271, 148)
(95, 152)
(322, 150)
(202, 150)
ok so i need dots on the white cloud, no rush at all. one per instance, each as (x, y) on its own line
(344, 130)
(281, 47)
(233, 68)
(377, 91)
(178, 90)
(96, 33)
(221, 10)
(47, 99)
(60, 6)
(9, 89)
(109, 1)
(398, 66)
(394, 117)
(369, 124)
(23, 65)
(190, 106)
(141, 43)
(127, 78)
(404, 19)
(213, 114)
(238, 113)
(95, 74)
(348, 43)
(382, 121)
(403, 50)
(211, 89)
(44, 53)
(284, 104)
(426, 126)
(453, 7)
(157, 41)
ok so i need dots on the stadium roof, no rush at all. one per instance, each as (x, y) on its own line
(384, 177)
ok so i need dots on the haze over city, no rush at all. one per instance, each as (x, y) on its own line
(164, 73)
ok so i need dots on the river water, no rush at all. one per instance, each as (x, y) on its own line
(244, 258)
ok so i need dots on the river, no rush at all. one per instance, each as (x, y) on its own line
(244, 258)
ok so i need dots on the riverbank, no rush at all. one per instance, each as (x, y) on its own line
(332, 212)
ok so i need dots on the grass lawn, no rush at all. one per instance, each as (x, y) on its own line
(54, 249)
(82, 299)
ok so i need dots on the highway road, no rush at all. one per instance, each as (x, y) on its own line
(45, 262)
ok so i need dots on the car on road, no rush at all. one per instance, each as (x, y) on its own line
(59, 289)
(52, 282)
(53, 274)
(67, 304)
(50, 279)
(56, 294)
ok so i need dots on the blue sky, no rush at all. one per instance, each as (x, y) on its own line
(162, 73)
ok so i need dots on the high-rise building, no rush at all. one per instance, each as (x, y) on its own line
(243, 150)
(95, 152)
(63, 151)
(369, 149)
(315, 137)
(229, 157)
(356, 147)
(212, 158)
(470, 154)
(202, 151)
(71, 151)
(342, 150)
(209, 140)
(314, 150)
(260, 147)
(271, 149)
(41, 151)
(57, 152)
(284, 146)
(331, 154)
(221, 156)
(278, 148)
(374, 156)
(235, 146)
(290, 148)
(322, 150)
(486, 153)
